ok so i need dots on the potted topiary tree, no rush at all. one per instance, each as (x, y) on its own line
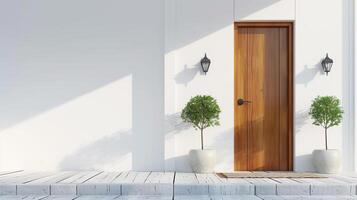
(326, 112)
(202, 112)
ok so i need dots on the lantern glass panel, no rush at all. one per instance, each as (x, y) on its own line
(328, 67)
(205, 63)
(205, 66)
(327, 64)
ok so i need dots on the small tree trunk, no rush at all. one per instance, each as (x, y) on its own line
(326, 138)
(202, 139)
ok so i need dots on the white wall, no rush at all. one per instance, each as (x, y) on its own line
(92, 84)
(193, 35)
(257, 10)
(348, 138)
(81, 85)
(318, 30)
(315, 35)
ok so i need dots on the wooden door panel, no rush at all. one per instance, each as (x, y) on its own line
(262, 76)
(271, 99)
(256, 49)
(241, 112)
(284, 99)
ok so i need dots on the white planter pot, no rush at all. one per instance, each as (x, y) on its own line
(327, 161)
(203, 161)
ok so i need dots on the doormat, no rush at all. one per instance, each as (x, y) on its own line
(272, 174)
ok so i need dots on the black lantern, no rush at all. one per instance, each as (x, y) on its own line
(205, 63)
(327, 64)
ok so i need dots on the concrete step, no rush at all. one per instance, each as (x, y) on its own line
(83, 197)
(181, 197)
(168, 184)
(266, 197)
(178, 189)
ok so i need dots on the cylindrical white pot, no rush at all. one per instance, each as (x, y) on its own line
(327, 161)
(203, 161)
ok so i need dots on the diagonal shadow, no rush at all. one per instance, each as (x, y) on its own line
(52, 54)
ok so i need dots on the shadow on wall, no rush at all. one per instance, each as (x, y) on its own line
(190, 33)
(117, 150)
(305, 159)
(224, 152)
(173, 126)
(188, 74)
(218, 141)
(52, 59)
(301, 118)
(56, 58)
(252, 6)
(181, 163)
(308, 74)
(174, 123)
(111, 152)
(193, 25)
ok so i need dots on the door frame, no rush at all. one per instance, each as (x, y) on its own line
(266, 24)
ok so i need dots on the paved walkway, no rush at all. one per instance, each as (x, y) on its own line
(167, 186)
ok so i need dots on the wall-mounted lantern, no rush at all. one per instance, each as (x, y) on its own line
(205, 63)
(327, 64)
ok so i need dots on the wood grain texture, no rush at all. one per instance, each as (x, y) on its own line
(241, 112)
(284, 99)
(263, 76)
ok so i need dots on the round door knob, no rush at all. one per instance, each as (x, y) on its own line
(242, 101)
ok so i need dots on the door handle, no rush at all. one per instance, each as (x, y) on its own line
(242, 101)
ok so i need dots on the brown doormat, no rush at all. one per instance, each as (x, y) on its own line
(270, 174)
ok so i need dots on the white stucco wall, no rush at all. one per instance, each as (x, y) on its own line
(100, 84)
(319, 29)
(354, 72)
(310, 47)
(193, 36)
(81, 85)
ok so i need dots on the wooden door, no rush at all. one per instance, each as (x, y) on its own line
(263, 96)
